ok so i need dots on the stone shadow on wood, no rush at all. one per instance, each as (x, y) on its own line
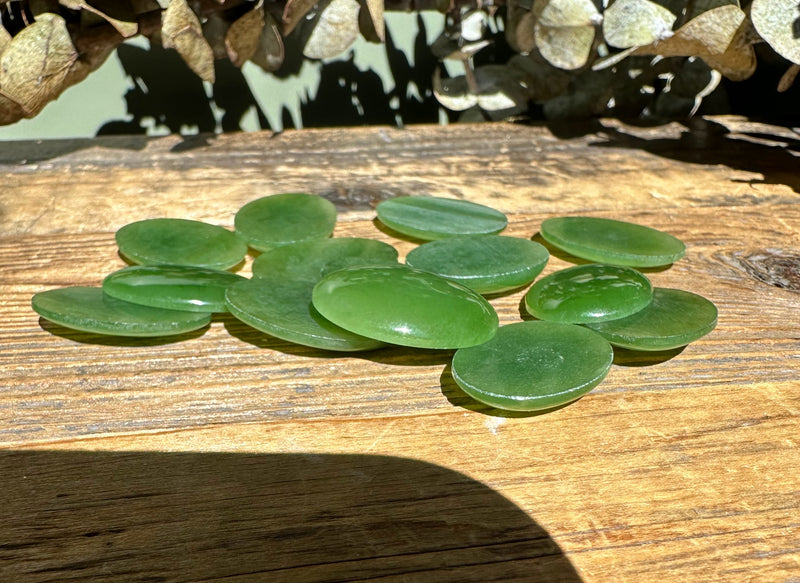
(148, 516)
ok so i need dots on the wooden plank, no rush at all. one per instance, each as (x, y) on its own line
(232, 454)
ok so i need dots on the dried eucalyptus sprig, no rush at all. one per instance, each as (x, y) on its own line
(572, 56)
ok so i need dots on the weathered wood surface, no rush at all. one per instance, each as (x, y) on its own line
(232, 454)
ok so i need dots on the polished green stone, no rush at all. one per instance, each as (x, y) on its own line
(90, 310)
(406, 306)
(180, 242)
(589, 293)
(674, 318)
(311, 260)
(282, 308)
(429, 217)
(610, 241)
(174, 287)
(530, 366)
(485, 263)
(282, 219)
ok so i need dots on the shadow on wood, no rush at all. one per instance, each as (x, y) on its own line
(97, 516)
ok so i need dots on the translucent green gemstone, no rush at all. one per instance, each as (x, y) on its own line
(589, 293)
(674, 318)
(174, 287)
(90, 310)
(311, 260)
(530, 366)
(282, 308)
(406, 306)
(282, 219)
(610, 241)
(485, 263)
(428, 217)
(180, 242)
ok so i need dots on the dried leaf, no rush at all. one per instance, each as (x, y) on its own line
(181, 30)
(453, 93)
(697, 7)
(560, 13)
(35, 64)
(501, 88)
(566, 47)
(629, 23)
(243, 36)
(564, 31)
(270, 52)
(294, 12)
(5, 38)
(335, 31)
(778, 23)
(525, 36)
(711, 33)
(115, 13)
(375, 9)
(739, 61)
(788, 78)
(472, 25)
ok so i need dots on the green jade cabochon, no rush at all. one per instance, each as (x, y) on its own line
(673, 319)
(180, 242)
(589, 293)
(532, 366)
(428, 217)
(401, 305)
(611, 241)
(174, 287)
(311, 260)
(278, 300)
(282, 219)
(90, 310)
(282, 308)
(485, 263)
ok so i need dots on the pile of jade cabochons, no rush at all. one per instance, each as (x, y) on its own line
(352, 294)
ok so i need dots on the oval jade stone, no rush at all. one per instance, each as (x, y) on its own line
(611, 241)
(401, 305)
(282, 219)
(429, 217)
(180, 242)
(485, 263)
(90, 310)
(530, 366)
(174, 287)
(589, 293)
(311, 260)
(282, 308)
(673, 319)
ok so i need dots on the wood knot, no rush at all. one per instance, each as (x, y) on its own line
(775, 267)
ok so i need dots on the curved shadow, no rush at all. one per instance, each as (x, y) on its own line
(111, 340)
(457, 397)
(146, 516)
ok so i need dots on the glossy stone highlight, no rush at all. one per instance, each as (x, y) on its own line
(611, 241)
(90, 310)
(180, 242)
(174, 287)
(282, 219)
(673, 319)
(406, 306)
(589, 293)
(485, 263)
(428, 217)
(282, 308)
(311, 260)
(531, 366)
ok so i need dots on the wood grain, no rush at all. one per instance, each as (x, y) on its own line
(227, 453)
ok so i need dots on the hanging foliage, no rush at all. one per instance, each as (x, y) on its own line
(571, 56)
